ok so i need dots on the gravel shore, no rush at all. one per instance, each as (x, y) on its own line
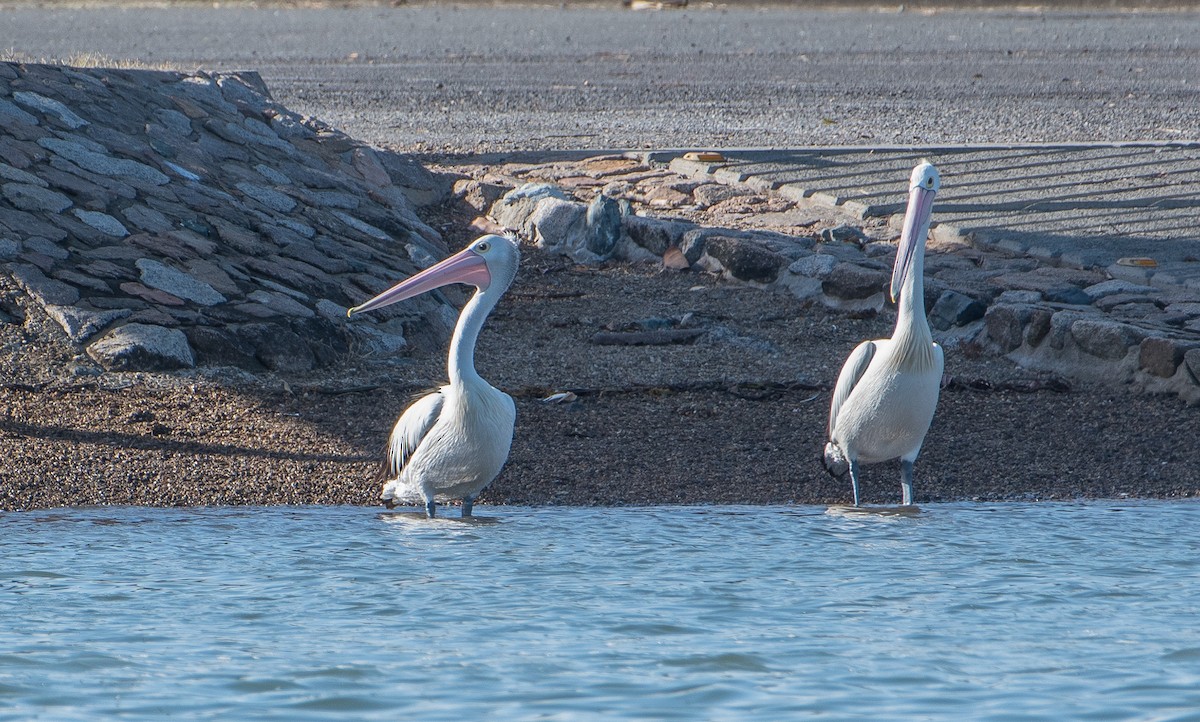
(736, 416)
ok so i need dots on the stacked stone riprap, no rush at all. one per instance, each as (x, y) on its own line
(167, 220)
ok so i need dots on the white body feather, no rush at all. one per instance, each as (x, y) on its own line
(887, 410)
(450, 444)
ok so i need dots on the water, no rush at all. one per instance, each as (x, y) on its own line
(988, 612)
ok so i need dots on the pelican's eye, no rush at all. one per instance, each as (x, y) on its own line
(929, 182)
(482, 247)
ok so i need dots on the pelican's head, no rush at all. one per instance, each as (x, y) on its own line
(922, 187)
(488, 263)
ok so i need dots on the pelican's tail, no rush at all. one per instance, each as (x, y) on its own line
(835, 461)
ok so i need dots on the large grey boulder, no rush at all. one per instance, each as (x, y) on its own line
(514, 209)
(744, 259)
(142, 347)
(1105, 339)
(955, 309)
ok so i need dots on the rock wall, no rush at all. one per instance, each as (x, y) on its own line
(167, 220)
(1071, 322)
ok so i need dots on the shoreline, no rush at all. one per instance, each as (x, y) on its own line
(729, 438)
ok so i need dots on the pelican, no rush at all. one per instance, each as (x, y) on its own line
(888, 388)
(452, 442)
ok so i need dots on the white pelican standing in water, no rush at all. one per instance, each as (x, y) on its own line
(888, 388)
(452, 442)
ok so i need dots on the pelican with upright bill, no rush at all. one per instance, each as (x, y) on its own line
(452, 442)
(888, 388)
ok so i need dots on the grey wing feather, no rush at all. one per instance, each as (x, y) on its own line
(855, 366)
(414, 424)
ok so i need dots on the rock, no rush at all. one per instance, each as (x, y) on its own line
(652, 234)
(142, 347)
(480, 195)
(666, 197)
(955, 309)
(849, 281)
(103, 164)
(1104, 338)
(276, 347)
(515, 208)
(1111, 301)
(818, 265)
(7, 172)
(1145, 310)
(878, 249)
(1108, 288)
(378, 342)
(173, 120)
(269, 197)
(1018, 296)
(692, 243)
(45, 291)
(1038, 326)
(282, 304)
(220, 347)
(81, 324)
(710, 194)
(1072, 295)
(558, 224)
(11, 115)
(148, 219)
(46, 247)
(1191, 359)
(1048, 279)
(102, 222)
(415, 181)
(9, 249)
(843, 234)
(49, 106)
(331, 311)
(29, 197)
(603, 226)
(1188, 308)
(847, 252)
(362, 226)
(1005, 324)
(744, 259)
(1162, 356)
(177, 283)
(153, 295)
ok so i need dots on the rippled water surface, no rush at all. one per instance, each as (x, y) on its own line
(1051, 611)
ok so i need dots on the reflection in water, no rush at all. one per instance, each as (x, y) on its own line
(980, 611)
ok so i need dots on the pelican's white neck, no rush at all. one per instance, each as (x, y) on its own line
(461, 363)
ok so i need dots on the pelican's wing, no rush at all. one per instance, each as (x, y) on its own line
(413, 425)
(855, 366)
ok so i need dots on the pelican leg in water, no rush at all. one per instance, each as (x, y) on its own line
(888, 388)
(453, 441)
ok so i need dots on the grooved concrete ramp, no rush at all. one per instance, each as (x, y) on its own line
(1086, 206)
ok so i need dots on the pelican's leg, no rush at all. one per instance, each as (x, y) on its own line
(906, 476)
(854, 479)
(431, 508)
(468, 504)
